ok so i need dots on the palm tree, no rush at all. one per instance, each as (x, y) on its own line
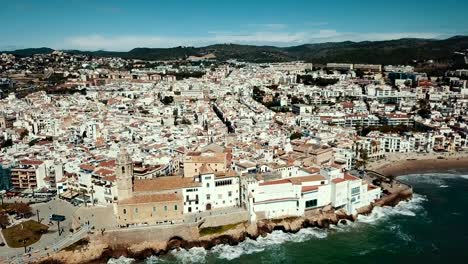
(92, 194)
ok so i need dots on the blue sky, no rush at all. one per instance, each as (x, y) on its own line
(125, 24)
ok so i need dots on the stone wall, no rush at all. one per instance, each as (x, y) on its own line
(225, 219)
(151, 233)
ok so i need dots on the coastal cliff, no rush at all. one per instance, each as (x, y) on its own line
(99, 249)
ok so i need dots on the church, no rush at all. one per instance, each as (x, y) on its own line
(164, 200)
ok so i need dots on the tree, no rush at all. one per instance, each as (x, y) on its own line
(295, 135)
(21, 208)
(4, 220)
(363, 159)
(185, 121)
(167, 100)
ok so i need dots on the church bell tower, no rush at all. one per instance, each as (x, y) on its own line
(124, 173)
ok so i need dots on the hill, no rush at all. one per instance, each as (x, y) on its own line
(401, 51)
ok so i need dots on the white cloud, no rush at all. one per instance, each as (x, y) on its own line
(267, 37)
(270, 26)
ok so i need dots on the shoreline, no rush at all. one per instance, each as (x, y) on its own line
(406, 165)
(100, 249)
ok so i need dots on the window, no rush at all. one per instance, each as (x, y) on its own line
(125, 211)
(165, 208)
(229, 193)
(355, 190)
(207, 185)
(223, 183)
(136, 210)
(311, 203)
(175, 207)
(123, 169)
(208, 196)
(154, 208)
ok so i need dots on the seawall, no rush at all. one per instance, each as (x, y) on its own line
(144, 242)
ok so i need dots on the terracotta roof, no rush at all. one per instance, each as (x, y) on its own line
(31, 162)
(87, 167)
(104, 172)
(282, 181)
(164, 183)
(205, 169)
(107, 164)
(310, 188)
(299, 180)
(111, 178)
(350, 177)
(338, 180)
(205, 157)
(152, 198)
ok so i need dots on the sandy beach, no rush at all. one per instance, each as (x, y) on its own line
(411, 163)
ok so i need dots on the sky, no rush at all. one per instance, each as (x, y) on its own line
(120, 25)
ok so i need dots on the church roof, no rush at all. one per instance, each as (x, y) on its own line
(164, 183)
(205, 169)
(152, 198)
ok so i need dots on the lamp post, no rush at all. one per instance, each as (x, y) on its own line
(37, 213)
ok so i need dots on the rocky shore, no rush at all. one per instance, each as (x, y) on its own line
(99, 250)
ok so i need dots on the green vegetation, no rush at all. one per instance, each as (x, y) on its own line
(363, 159)
(401, 51)
(295, 135)
(24, 234)
(167, 100)
(217, 229)
(308, 80)
(4, 221)
(400, 129)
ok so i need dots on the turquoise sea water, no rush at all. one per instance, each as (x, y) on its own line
(432, 228)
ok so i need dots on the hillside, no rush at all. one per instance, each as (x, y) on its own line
(399, 51)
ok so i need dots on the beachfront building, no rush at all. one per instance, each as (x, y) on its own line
(272, 196)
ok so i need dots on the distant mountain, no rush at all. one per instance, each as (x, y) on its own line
(30, 51)
(399, 51)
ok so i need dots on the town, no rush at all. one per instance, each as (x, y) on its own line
(107, 143)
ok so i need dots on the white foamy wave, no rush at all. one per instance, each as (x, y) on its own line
(121, 260)
(432, 178)
(250, 246)
(193, 255)
(403, 208)
(343, 227)
(443, 186)
(402, 235)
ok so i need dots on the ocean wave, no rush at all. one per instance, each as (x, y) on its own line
(250, 246)
(193, 255)
(409, 208)
(121, 260)
(396, 229)
(439, 179)
(277, 237)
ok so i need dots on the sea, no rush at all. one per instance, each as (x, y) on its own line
(431, 228)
